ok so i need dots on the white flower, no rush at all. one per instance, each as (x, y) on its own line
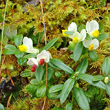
(42, 58)
(77, 37)
(91, 44)
(92, 28)
(44, 55)
(72, 27)
(27, 46)
(32, 61)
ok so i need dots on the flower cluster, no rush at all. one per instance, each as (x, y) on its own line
(42, 58)
(92, 28)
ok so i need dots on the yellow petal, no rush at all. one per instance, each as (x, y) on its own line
(63, 31)
(91, 47)
(22, 48)
(95, 33)
(75, 40)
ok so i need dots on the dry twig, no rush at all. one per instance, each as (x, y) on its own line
(45, 44)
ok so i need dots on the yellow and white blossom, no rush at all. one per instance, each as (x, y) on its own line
(78, 37)
(27, 46)
(91, 44)
(92, 28)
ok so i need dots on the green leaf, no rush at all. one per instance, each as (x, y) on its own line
(26, 73)
(10, 31)
(21, 61)
(77, 51)
(108, 88)
(31, 55)
(18, 39)
(53, 66)
(81, 98)
(68, 85)
(52, 95)
(98, 78)
(93, 56)
(1, 107)
(69, 106)
(34, 82)
(41, 90)
(57, 109)
(102, 36)
(8, 52)
(106, 66)
(89, 79)
(50, 73)
(57, 74)
(1, 18)
(10, 49)
(88, 37)
(31, 89)
(82, 66)
(61, 65)
(69, 32)
(39, 73)
(50, 44)
(19, 54)
(56, 88)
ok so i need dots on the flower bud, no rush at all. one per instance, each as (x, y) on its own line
(41, 62)
(77, 85)
(106, 80)
(33, 68)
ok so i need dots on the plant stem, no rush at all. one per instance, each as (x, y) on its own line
(46, 86)
(43, 21)
(10, 77)
(46, 63)
(3, 30)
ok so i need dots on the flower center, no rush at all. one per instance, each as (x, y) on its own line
(95, 33)
(63, 31)
(41, 62)
(22, 48)
(75, 40)
(91, 47)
